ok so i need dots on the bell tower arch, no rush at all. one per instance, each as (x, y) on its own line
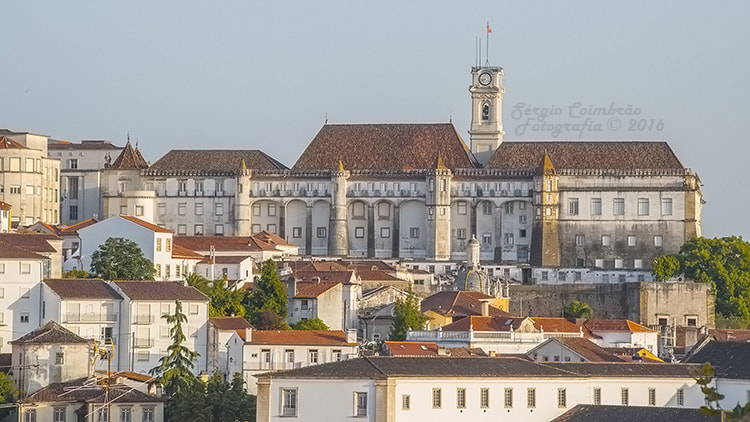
(486, 133)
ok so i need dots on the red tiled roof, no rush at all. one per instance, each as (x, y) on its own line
(160, 290)
(230, 323)
(412, 348)
(623, 325)
(89, 288)
(375, 275)
(222, 243)
(180, 252)
(225, 259)
(73, 228)
(385, 147)
(299, 337)
(8, 143)
(587, 349)
(459, 303)
(14, 252)
(722, 334)
(129, 158)
(146, 224)
(35, 242)
(50, 333)
(503, 323)
(134, 376)
(579, 155)
(213, 160)
(271, 238)
(555, 325)
(5, 206)
(311, 290)
(324, 276)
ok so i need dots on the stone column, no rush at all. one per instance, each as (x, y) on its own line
(371, 231)
(308, 230)
(338, 234)
(263, 404)
(395, 232)
(385, 400)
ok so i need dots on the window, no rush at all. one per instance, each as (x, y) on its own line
(577, 276)
(643, 206)
(522, 219)
(618, 206)
(255, 228)
(289, 355)
(666, 206)
(256, 210)
(437, 398)
(73, 163)
(125, 413)
(531, 397)
(509, 208)
(658, 241)
(692, 321)
(313, 356)
(182, 229)
(297, 232)
(123, 210)
(580, 240)
(508, 238)
(305, 304)
(162, 208)
(272, 210)
(181, 207)
(194, 308)
(652, 396)
(461, 208)
(169, 245)
(522, 233)
(414, 232)
(631, 240)
(25, 268)
(562, 398)
(24, 317)
(487, 239)
(618, 263)
(219, 209)
(101, 415)
(73, 212)
(199, 208)
(15, 190)
(199, 187)
(58, 414)
(573, 206)
(597, 396)
(638, 263)
(158, 270)
(484, 398)
(545, 275)
(360, 404)
(359, 232)
(680, 397)
(29, 415)
(139, 210)
(148, 414)
(198, 229)
(59, 358)
(405, 402)
(596, 206)
(606, 240)
(384, 210)
(182, 187)
(485, 112)
(219, 229)
(487, 208)
(461, 398)
(265, 356)
(508, 398)
(460, 233)
(336, 355)
(321, 232)
(288, 402)
(624, 396)
(385, 232)
(158, 245)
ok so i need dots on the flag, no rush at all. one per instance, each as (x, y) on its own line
(489, 30)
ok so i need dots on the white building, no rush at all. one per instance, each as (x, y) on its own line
(156, 243)
(81, 166)
(29, 181)
(389, 389)
(144, 333)
(253, 352)
(622, 333)
(5, 209)
(332, 296)
(220, 330)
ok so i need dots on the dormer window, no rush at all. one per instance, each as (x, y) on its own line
(485, 112)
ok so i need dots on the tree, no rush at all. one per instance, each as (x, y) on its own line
(665, 267)
(576, 309)
(407, 315)
(725, 264)
(175, 370)
(8, 393)
(268, 295)
(704, 377)
(121, 259)
(214, 401)
(311, 324)
(76, 274)
(222, 301)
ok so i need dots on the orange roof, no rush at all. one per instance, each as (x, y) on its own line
(624, 325)
(324, 276)
(311, 290)
(412, 348)
(271, 238)
(179, 252)
(504, 323)
(230, 323)
(222, 243)
(4, 205)
(73, 229)
(376, 275)
(133, 376)
(298, 337)
(459, 303)
(555, 325)
(9, 143)
(146, 224)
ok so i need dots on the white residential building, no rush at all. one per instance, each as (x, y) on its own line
(144, 333)
(332, 296)
(622, 333)
(220, 330)
(391, 389)
(253, 352)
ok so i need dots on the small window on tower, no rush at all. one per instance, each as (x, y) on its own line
(486, 112)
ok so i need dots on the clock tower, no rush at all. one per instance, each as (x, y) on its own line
(486, 133)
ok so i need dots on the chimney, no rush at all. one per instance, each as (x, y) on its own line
(351, 335)
(293, 287)
(248, 334)
(485, 308)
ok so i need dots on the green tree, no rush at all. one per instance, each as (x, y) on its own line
(214, 401)
(76, 274)
(268, 295)
(222, 301)
(725, 264)
(8, 393)
(311, 324)
(175, 370)
(407, 315)
(121, 259)
(704, 377)
(576, 309)
(665, 267)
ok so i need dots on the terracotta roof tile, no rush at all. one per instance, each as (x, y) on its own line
(459, 303)
(585, 155)
(8, 143)
(300, 337)
(73, 228)
(222, 243)
(598, 413)
(14, 252)
(343, 277)
(586, 348)
(179, 161)
(34, 242)
(146, 224)
(376, 275)
(225, 259)
(230, 323)
(622, 325)
(180, 252)
(89, 288)
(50, 333)
(160, 290)
(129, 158)
(385, 147)
(5, 206)
(724, 334)
(412, 348)
(93, 393)
(311, 290)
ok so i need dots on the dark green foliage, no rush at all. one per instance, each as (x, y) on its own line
(576, 309)
(214, 401)
(76, 274)
(268, 320)
(121, 259)
(269, 296)
(407, 315)
(665, 267)
(310, 324)
(223, 302)
(8, 393)
(175, 370)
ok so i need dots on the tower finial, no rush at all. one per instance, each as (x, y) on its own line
(326, 122)
(440, 164)
(341, 166)
(128, 136)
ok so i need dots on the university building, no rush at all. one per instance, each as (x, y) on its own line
(418, 191)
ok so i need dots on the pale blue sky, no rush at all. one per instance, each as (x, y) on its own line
(251, 74)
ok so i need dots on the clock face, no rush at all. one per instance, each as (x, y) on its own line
(485, 78)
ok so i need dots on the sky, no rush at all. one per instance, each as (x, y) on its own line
(266, 75)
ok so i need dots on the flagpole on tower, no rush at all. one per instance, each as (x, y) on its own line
(489, 31)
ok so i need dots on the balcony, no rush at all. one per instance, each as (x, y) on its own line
(143, 319)
(143, 343)
(92, 317)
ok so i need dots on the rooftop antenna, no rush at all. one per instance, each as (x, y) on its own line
(326, 122)
(480, 51)
(450, 117)
(476, 51)
(128, 136)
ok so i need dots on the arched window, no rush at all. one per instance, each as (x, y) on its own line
(486, 112)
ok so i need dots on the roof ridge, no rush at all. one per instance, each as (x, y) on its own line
(377, 368)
